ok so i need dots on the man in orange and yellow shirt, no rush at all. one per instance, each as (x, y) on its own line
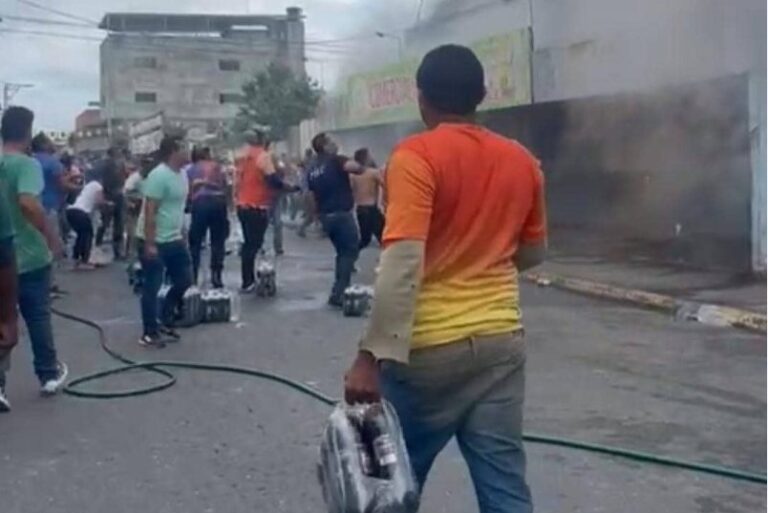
(465, 213)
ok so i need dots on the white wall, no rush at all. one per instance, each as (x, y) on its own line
(591, 47)
(467, 21)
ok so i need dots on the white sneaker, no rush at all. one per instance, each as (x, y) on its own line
(52, 386)
(5, 404)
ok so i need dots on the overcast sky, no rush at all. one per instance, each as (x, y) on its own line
(65, 72)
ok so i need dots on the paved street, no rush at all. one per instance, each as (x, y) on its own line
(597, 371)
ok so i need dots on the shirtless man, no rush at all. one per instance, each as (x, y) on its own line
(365, 188)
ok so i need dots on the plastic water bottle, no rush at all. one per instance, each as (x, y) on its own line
(234, 306)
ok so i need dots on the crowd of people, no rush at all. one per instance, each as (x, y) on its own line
(161, 209)
(464, 213)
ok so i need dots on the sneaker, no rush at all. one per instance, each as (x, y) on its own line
(51, 386)
(5, 404)
(151, 341)
(335, 301)
(246, 289)
(169, 334)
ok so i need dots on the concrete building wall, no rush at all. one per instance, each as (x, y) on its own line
(663, 175)
(192, 78)
(187, 81)
(757, 134)
(591, 47)
(87, 118)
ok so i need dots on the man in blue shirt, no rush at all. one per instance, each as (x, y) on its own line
(328, 178)
(55, 187)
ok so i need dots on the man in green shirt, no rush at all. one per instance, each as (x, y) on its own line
(161, 242)
(9, 334)
(21, 181)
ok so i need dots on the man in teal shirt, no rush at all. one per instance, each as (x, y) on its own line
(21, 181)
(162, 246)
(9, 333)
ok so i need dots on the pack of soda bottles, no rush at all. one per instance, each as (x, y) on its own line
(266, 279)
(364, 465)
(220, 305)
(356, 301)
(214, 305)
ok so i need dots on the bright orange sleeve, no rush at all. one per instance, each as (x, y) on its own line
(535, 228)
(410, 190)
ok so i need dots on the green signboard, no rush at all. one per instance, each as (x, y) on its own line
(388, 94)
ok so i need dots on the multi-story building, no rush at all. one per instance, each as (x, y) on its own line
(91, 136)
(190, 67)
(639, 115)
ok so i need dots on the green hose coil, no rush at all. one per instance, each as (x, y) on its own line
(158, 367)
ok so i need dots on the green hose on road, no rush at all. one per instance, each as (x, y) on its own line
(158, 367)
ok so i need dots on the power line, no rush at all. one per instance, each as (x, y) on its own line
(50, 34)
(35, 5)
(232, 47)
(44, 21)
(339, 43)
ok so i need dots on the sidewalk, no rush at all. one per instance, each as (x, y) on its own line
(711, 297)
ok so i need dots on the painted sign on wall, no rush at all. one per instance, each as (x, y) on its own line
(389, 94)
(146, 134)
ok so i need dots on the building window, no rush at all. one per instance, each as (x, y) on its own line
(145, 62)
(229, 65)
(230, 98)
(142, 97)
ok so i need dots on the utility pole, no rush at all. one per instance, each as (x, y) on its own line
(9, 91)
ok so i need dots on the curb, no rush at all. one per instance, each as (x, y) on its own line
(713, 315)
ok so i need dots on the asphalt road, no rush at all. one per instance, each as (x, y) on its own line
(597, 371)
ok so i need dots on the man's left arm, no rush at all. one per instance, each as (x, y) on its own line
(351, 166)
(532, 246)
(267, 164)
(388, 336)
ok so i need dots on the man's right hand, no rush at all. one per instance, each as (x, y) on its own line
(150, 251)
(56, 247)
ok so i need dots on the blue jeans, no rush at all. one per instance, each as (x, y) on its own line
(173, 260)
(35, 308)
(472, 389)
(276, 221)
(341, 228)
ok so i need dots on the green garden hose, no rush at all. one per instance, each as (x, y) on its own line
(158, 367)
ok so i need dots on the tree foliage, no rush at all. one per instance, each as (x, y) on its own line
(276, 99)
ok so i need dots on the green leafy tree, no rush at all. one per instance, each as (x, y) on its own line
(276, 99)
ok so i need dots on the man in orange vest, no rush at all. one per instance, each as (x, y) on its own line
(255, 186)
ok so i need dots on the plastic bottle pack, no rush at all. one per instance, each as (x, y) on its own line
(191, 312)
(266, 280)
(220, 305)
(357, 300)
(135, 277)
(364, 465)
